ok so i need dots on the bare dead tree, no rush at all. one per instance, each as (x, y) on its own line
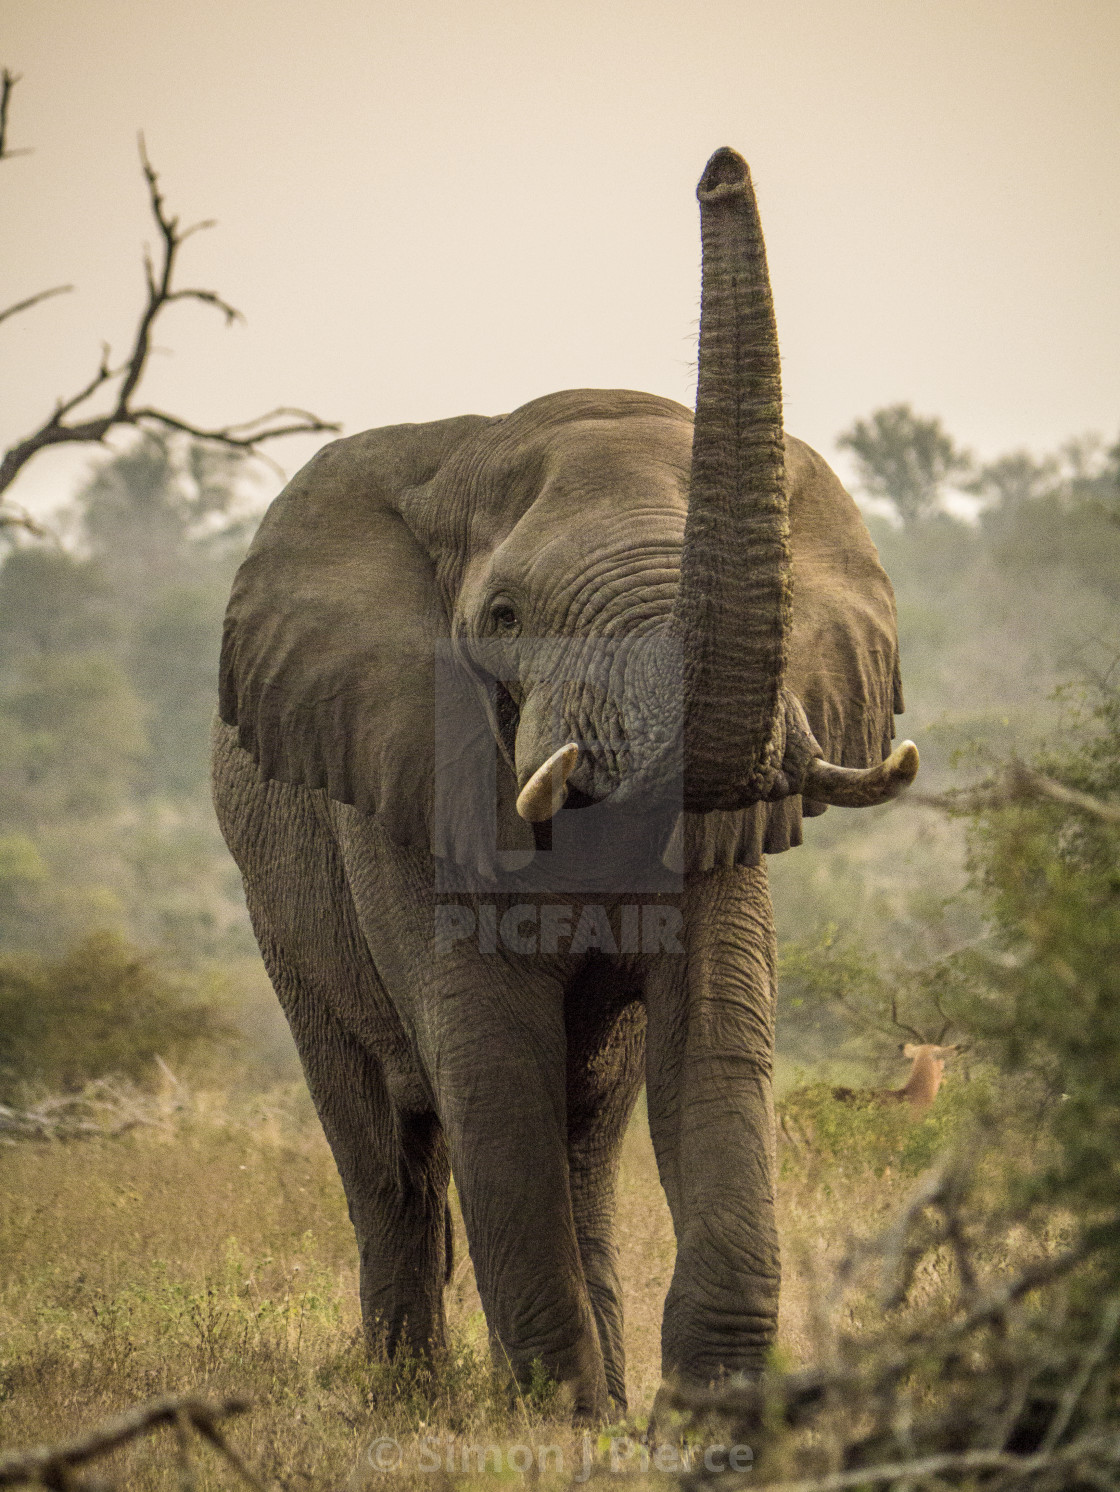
(125, 409)
(56, 1465)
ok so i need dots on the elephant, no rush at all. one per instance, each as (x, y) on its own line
(511, 710)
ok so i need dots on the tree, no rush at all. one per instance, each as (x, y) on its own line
(108, 653)
(1015, 478)
(123, 379)
(1081, 473)
(906, 458)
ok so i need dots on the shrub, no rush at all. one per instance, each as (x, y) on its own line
(105, 1007)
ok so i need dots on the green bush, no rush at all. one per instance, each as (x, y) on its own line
(857, 1132)
(104, 1008)
(1050, 1007)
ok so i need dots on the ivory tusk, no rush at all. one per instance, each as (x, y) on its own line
(862, 787)
(544, 793)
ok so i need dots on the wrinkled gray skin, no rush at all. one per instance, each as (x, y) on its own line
(517, 1072)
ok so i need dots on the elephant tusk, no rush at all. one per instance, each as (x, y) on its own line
(544, 793)
(862, 787)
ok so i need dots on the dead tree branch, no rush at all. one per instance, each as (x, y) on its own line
(13, 517)
(161, 292)
(103, 1108)
(33, 300)
(54, 1465)
(7, 82)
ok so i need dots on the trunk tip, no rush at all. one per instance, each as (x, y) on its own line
(726, 173)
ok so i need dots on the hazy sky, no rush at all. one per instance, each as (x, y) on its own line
(429, 207)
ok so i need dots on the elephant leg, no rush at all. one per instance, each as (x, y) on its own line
(394, 1170)
(375, 1108)
(498, 1051)
(606, 1047)
(710, 1015)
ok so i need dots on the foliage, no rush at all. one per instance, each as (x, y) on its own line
(1051, 880)
(849, 1132)
(102, 1008)
(982, 1328)
(906, 458)
(108, 663)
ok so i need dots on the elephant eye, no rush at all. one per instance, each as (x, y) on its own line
(503, 617)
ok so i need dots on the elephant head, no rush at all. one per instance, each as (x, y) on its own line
(650, 600)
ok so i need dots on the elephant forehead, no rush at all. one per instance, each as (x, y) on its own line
(512, 469)
(594, 456)
(611, 490)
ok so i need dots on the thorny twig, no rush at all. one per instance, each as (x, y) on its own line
(54, 1465)
(1000, 1411)
(1104, 1448)
(901, 1255)
(1091, 1361)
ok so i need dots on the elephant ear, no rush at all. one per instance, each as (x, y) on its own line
(842, 661)
(843, 650)
(333, 624)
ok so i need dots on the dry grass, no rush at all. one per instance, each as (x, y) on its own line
(210, 1251)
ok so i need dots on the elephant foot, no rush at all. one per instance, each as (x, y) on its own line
(587, 1408)
(683, 1403)
(577, 1388)
(747, 1407)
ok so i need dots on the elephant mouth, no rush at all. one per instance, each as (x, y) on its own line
(602, 759)
(548, 789)
(578, 799)
(581, 774)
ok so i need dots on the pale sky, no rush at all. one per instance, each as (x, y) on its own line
(433, 207)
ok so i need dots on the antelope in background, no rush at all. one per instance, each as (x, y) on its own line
(927, 1060)
(919, 1089)
(927, 1067)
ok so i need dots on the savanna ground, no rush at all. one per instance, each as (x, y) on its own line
(210, 1250)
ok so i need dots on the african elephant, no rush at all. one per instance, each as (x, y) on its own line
(443, 635)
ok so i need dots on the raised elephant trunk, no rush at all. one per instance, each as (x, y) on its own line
(733, 609)
(745, 738)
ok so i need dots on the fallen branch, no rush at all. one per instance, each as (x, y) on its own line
(101, 1109)
(54, 1465)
